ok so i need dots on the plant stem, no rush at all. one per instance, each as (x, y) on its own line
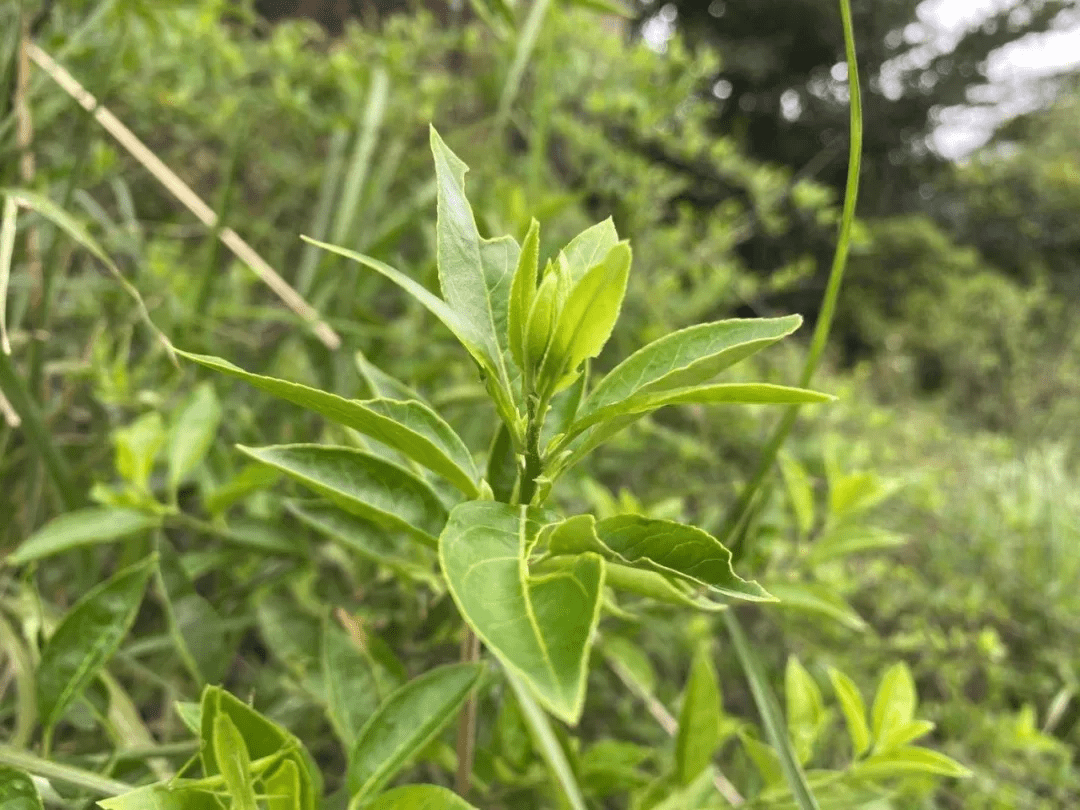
(466, 738)
(739, 513)
(100, 785)
(534, 464)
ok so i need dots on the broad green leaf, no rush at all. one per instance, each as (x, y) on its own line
(362, 484)
(662, 546)
(419, 797)
(162, 797)
(83, 527)
(800, 491)
(805, 708)
(818, 599)
(405, 723)
(588, 316)
(86, 638)
(483, 350)
(539, 627)
(688, 357)
(365, 538)
(290, 630)
(611, 767)
(910, 759)
(17, 791)
(137, 446)
(283, 787)
(632, 662)
(765, 759)
(198, 627)
(511, 733)
(699, 718)
(643, 582)
(251, 478)
(851, 702)
(502, 470)
(522, 290)
(262, 738)
(192, 433)
(352, 690)
(772, 719)
(190, 715)
(894, 703)
(410, 427)
(588, 249)
(235, 763)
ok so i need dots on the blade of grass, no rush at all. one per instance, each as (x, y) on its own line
(736, 517)
(179, 189)
(25, 761)
(360, 162)
(320, 224)
(546, 742)
(772, 718)
(526, 43)
(7, 250)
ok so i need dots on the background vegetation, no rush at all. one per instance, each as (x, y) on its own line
(931, 516)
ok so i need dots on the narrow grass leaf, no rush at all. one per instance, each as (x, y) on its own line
(86, 638)
(360, 483)
(7, 250)
(539, 627)
(405, 723)
(772, 718)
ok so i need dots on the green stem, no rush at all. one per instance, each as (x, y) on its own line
(739, 513)
(25, 761)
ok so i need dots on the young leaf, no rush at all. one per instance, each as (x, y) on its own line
(805, 708)
(235, 763)
(261, 737)
(405, 723)
(851, 702)
(83, 527)
(86, 638)
(771, 717)
(192, 432)
(362, 484)
(522, 291)
(419, 797)
(909, 759)
(410, 427)
(894, 703)
(539, 627)
(588, 248)
(699, 718)
(17, 791)
(137, 446)
(688, 357)
(162, 797)
(662, 546)
(483, 349)
(283, 787)
(588, 316)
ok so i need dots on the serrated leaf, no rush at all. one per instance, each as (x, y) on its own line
(86, 638)
(410, 427)
(663, 546)
(816, 599)
(192, 433)
(805, 708)
(17, 791)
(522, 291)
(894, 703)
(588, 248)
(405, 723)
(699, 718)
(851, 702)
(361, 483)
(234, 762)
(83, 527)
(588, 316)
(910, 759)
(540, 627)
